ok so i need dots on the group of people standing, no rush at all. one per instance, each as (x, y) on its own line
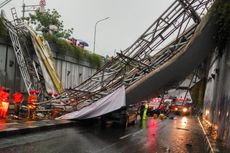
(18, 99)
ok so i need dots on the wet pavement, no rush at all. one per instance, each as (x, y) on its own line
(211, 133)
(19, 127)
(179, 135)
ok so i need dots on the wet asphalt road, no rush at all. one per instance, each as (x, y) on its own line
(180, 135)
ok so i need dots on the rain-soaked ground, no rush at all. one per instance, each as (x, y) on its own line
(179, 135)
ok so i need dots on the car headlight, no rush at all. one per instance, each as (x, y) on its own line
(185, 110)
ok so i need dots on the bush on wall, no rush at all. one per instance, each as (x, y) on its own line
(63, 47)
(221, 12)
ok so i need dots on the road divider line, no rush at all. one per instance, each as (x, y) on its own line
(125, 136)
(137, 132)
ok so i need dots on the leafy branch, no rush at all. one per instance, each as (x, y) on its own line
(221, 12)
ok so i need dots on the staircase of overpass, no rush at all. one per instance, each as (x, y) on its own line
(160, 43)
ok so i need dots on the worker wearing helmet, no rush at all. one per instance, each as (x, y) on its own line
(18, 99)
(4, 98)
(32, 100)
(2, 91)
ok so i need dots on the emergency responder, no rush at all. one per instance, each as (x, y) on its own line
(145, 111)
(142, 108)
(4, 96)
(2, 91)
(32, 99)
(18, 99)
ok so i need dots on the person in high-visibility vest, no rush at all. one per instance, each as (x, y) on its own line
(32, 99)
(18, 99)
(4, 98)
(145, 112)
(142, 108)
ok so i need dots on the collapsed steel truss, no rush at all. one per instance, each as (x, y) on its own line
(18, 33)
(175, 27)
(19, 52)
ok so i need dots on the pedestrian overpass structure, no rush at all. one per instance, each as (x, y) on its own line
(170, 49)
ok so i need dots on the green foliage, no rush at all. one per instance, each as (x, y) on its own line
(222, 13)
(42, 20)
(93, 58)
(45, 19)
(63, 47)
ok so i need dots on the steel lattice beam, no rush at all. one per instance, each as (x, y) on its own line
(159, 43)
(19, 55)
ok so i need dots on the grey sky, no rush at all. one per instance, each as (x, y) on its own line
(128, 19)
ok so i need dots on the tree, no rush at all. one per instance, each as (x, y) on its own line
(43, 20)
(221, 12)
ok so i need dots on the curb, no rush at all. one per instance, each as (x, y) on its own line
(208, 145)
(45, 126)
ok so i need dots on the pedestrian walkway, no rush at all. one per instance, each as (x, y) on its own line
(19, 127)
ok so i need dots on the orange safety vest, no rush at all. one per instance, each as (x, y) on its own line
(32, 99)
(4, 96)
(1, 95)
(18, 97)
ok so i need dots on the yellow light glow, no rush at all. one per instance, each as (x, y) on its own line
(184, 121)
(206, 112)
(185, 110)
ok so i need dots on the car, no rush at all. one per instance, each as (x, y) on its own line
(153, 108)
(123, 116)
(181, 108)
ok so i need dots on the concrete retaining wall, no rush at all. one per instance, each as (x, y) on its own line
(9, 72)
(71, 71)
(217, 94)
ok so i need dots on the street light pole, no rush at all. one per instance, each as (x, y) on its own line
(95, 32)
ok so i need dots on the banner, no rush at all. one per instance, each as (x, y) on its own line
(104, 105)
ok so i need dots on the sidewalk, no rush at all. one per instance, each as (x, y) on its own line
(20, 127)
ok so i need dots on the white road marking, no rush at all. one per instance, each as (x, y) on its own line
(137, 132)
(11, 123)
(131, 134)
(125, 136)
(10, 129)
(32, 126)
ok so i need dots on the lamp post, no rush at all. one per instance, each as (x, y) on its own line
(29, 8)
(95, 32)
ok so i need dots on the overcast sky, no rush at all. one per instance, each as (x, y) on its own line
(128, 19)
